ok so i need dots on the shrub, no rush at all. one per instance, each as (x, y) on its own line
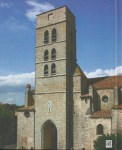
(100, 142)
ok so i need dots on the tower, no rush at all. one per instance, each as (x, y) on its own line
(55, 62)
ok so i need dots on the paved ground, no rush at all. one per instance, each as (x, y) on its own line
(13, 146)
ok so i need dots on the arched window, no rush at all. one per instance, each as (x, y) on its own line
(46, 70)
(46, 55)
(99, 129)
(46, 37)
(53, 54)
(54, 35)
(53, 69)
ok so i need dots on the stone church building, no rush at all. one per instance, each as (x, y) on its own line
(66, 110)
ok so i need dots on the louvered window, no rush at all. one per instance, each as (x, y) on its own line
(46, 70)
(53, 69)
(53, 54)
(46, 55)
(54, 35)
(46, 37)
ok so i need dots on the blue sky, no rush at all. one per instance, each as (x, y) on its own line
(99, 40)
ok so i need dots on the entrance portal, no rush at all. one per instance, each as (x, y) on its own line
(49, 136)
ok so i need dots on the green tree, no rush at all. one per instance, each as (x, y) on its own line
(100, 142)
(8, 124)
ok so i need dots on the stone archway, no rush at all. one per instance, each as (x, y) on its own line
(49, 135)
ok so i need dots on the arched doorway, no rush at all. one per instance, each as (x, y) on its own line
(49, 135)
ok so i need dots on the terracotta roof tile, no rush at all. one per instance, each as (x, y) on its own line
(117, 107)
(106, 82)
(26, 108)
(102, 114)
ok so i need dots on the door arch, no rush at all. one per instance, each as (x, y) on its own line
(49, 135)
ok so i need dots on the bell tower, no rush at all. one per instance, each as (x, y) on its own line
(55, 62)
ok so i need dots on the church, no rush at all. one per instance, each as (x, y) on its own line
(66, 110)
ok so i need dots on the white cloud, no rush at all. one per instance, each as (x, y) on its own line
(13, 24)
(37, 8)
(12, 87)
(9, 101)
(4, 5)
(107, 72)
(25, 78)
(17, 79)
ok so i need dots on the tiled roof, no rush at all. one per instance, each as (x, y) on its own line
(102, 114)
(26, 108)
(106, 82)
(117, 107)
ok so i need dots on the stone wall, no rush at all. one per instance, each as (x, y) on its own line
(25, 130)
(58, 97)
(81, 121)
(92, 135)
(116, 120)
(57, 88)
(110, 93)
(51, 17)
(57, 114)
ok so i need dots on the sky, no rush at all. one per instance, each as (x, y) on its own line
(99, 41)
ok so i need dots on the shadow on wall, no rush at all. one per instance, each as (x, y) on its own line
(96, 102)
(13, 146)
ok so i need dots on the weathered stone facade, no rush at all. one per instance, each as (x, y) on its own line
(66, 110)
(25, 128)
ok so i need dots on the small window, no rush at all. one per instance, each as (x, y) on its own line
(50, 16)
(46, 70)
(53, 69)
(46, 55)
(46, 37)
(53, 54)
(105, 99)
(99, 129)
(27, 114)
(54, 35)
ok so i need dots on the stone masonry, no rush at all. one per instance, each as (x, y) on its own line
(66, 110)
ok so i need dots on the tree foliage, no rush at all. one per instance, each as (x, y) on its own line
(100, 142)
(8, 124)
